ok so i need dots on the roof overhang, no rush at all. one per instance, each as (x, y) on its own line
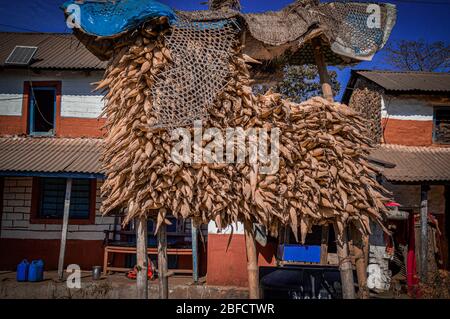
(50, 157)
(413, 165)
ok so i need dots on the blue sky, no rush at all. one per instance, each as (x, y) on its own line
(417, 19)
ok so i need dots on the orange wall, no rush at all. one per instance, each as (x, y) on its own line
(11, 125)
(406, 132)
(229, 267)
(86, 253)
(65, 127)
(80, 127)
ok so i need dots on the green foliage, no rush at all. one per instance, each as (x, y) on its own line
(301, 82)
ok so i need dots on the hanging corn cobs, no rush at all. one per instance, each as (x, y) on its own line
(323, 175)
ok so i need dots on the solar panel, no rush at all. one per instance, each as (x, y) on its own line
(21, 55)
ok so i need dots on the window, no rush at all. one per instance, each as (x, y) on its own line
(441, 132)
(42, 110)
(49, 196)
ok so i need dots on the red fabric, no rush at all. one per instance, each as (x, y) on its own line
(411, 273)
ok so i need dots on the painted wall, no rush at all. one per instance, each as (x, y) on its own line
(20, 239)
(227, 264)
(407, 121)
(80, 107)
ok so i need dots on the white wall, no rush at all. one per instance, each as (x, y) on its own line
(405, 109)
(238, 229)
(77, 99)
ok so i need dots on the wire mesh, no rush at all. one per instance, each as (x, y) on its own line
(355, 26)
(185, 88)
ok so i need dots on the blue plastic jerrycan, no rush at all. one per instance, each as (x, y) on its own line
(22, 270)
(36, 271)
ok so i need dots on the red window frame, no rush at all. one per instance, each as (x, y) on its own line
(26, 102)
(35, 198)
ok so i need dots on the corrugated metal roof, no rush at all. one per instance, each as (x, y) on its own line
(414, 164)
(409, 81)
(50, 155)
(55, 50)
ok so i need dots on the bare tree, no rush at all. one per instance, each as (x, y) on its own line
(219, 4)
(419, 55)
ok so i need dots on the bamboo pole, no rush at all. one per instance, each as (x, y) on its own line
(252, 261)
(322, 68)
(194, 236)
(162, 263)
(62, 248)
(345, 264)
(142, 258)
(360, 262)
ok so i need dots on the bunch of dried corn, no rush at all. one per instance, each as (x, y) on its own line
(323, 175)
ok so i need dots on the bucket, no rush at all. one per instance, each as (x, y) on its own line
(96, 272)
(36, 271)
(22, 270)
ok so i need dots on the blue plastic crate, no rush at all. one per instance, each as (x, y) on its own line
(299, 253)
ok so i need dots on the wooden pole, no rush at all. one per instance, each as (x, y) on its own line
(345, 264)
(322, 68)
(194, 236)
(360, 262)
(162, 263)
(252, 261)
(424, 233)
(62, 248)
(324, 244)
(142, 258)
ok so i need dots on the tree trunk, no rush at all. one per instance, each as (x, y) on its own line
(424, 233)
(360, 262)
(345, 264)
(162, 263)
(322, 68)
(252, 261)
(142, 258)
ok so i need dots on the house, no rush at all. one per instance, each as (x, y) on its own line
(50, 131)
(409, 115)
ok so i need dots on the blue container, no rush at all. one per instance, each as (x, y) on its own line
(299, 253)
(36, 272)
(22, 270)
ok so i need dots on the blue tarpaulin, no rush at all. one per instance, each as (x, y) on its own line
(112, 17)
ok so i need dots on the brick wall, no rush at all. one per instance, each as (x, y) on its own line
(16, 216)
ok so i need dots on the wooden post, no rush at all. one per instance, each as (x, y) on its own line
(142, 258)
(360, 262)
(252, 261)
(62, 248)
(324, 244)
(322, 68)
(345, 264)
(194, 236)
(423, 257)
(162, 263)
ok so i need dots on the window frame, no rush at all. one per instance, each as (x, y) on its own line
(435, 109)
(26, 105)
(35, 218)
(32, 113)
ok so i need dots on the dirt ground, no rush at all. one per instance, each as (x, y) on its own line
(110, 287)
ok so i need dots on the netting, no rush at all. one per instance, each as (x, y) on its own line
(357, 28)
(185, 88)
